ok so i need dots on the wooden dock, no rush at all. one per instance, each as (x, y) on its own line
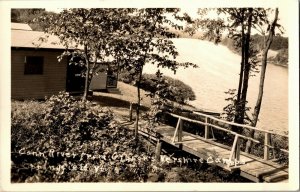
(229, 158)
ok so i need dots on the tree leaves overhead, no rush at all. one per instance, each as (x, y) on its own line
(128, 35)
(148, 41)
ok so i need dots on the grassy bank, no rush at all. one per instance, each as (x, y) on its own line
(120, 103)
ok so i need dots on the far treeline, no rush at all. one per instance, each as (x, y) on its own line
(279, 44)
(28, 15)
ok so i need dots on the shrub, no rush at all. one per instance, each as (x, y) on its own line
(181, 94)
(74, 141)
(126, 77)
(65, 114)
(27, 122)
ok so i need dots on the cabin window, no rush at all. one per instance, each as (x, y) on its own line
(34, 65)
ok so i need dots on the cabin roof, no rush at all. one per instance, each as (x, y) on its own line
(21, 38)
(34, 39)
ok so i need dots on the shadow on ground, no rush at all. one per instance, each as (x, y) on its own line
(107, 101)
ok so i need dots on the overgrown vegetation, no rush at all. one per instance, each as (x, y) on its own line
(65, 139)
(181, 92)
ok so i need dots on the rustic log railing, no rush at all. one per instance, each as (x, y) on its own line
(130, 111)
(209, 125)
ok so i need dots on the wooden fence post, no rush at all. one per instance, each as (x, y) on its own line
(237, 150)
(266, 146)
(158, 150)
(176, 129)
(206, 128)
(130, 112)
(233, 152)
(180, 131)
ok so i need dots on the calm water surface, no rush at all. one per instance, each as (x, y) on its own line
(219, 71)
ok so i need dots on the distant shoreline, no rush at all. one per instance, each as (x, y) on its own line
(278, 64)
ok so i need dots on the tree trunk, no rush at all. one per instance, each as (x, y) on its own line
(247, 67)
(264, 62)
(242, 60)
(87, 75)
(136, 127)
(238, 116)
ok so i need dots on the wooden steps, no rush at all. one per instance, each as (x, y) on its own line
(264, 171)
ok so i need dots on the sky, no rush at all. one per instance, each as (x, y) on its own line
(283, 16)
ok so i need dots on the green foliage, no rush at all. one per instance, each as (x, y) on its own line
(126, 77)
(278, 42)
(79, 142)
(59, 115)
(160, 92)
(180, 91)
(278, 142)
(131, 37)
(230, 110)
(66, 114)
(230, 44)
(148, 41)
(87, 33)
(28, 16)
(111, 154)
(27, 122)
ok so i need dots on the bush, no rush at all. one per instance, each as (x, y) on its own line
(27, 122)
(67, 140)
(126, 77)
(65, 114)
(181, 94)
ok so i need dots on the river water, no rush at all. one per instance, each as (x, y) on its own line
(219, 71)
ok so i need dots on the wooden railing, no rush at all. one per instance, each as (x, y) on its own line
(267, 133)
(209, 126)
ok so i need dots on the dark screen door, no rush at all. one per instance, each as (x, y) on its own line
(75, 82)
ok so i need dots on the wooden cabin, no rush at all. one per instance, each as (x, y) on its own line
(36, 72)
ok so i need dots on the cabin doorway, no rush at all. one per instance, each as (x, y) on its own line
(112, 79)
(75, 81)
